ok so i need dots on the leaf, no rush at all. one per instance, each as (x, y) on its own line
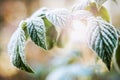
(118, 31)
(102, 11)
(16, 48)
(82, 15)
(100, 2)
(61, 19)
(102, 39)
(104, 14)
(58, 17)
(117, 57)
(51, 33)
(81, 5)
(37, 32)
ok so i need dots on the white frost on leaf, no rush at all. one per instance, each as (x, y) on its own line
(16, 48)
(81, 5)
(99, 2)
(37, 31)
(82, 15)
(103, 39)
(58, 17)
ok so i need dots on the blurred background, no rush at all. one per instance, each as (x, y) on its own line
(12, 12)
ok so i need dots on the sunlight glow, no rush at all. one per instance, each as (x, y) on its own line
(79, 31)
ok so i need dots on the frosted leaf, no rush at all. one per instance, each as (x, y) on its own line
(100, 2)
(103, 39)
(58, 17)
(16, 48)
(37, 32)
(82, 15)
(81, 5)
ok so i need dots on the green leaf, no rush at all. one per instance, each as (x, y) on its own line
(104, 14)
(37, 32)
(102, 11)
(117, 57)
(16, 48)
(102, 39)
(51, 33)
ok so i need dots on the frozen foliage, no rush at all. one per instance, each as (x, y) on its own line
(89, 21)
(103, 39)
